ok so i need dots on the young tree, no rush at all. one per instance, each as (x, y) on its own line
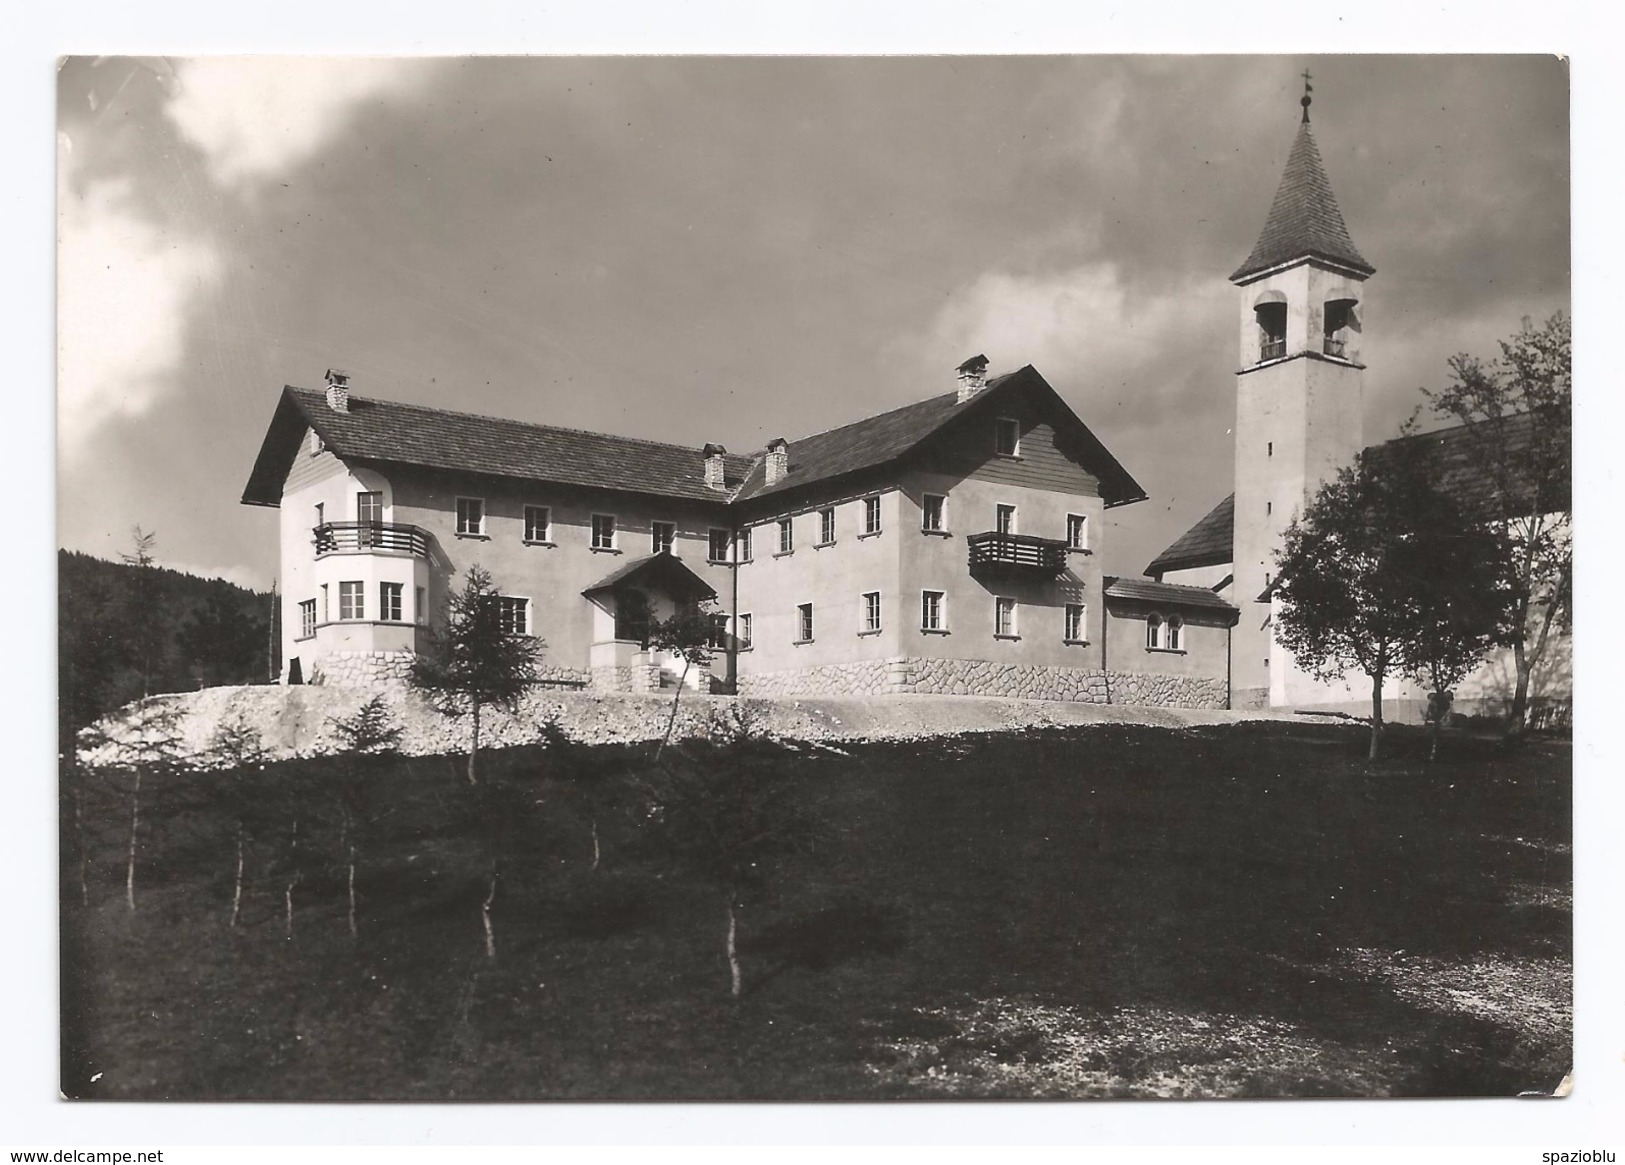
(729, 817)
(475, 659)
(1518, 411)
(142, 627)
(236, 750)
(1347, 578)
(369, 733)
(144, 740)
(689, 633)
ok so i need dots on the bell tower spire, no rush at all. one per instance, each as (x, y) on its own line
(1299, 395)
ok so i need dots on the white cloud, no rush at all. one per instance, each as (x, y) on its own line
(256, 117)
(124, 289)
(1082, 326)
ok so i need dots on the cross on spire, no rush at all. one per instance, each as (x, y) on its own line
(1307, 89)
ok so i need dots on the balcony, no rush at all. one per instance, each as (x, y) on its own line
(1023, 554)
(370, 538)
(1271, 349)
(1336, 347)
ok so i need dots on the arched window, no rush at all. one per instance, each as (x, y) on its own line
(1341, 320)
(1175, 633)
(1153, 632)
(1269, 309)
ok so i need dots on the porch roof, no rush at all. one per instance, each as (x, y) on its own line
(664, 571)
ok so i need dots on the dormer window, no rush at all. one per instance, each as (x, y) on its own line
(1007, 437)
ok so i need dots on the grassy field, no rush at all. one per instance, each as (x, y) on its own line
(1106, 911)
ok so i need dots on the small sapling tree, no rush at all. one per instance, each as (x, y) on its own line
(476, 657)
(728, 816)
(370, 732)
(689, 633)
(236, 750)
(141, 743)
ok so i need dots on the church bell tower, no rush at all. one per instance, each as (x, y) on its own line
(1301, 299)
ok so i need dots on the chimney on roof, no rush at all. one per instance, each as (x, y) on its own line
(972, 377)
(778, 460)
(714, 467)
(338, 390)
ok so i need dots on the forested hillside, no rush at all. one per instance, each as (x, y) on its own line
(125, 631)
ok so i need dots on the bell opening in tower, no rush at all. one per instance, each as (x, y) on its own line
(1271, 330)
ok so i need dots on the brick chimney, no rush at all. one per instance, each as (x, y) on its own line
(338, 390)
(972, 377)
(778, 460)
(715, 467)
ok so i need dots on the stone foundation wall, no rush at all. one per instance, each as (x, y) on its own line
(387, 669)
(637, 677)
(973, 677)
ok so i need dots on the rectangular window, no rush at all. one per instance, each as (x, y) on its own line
(538, 524)
(326, 610)
(369, 506)
(513, 615)
(603, 531)
(1074, 632)
(742, 630)
(717, 548)
(804, 622)
(871, 610)
(471, 516)
(1004, 618)
(787, 536)
(719, 633)
(352, 600)
(1004, 519)
(931, 613)
(871, 515)
(1077, 532)
(742, 544)
(307, 618)
(1269, 507)
(934, 512)
(420, 606)
(662, 536)
(826, 525)
(1007, 436)
(389, 602)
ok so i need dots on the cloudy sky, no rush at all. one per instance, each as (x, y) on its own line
(729, 250)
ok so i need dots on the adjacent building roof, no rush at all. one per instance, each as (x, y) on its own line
(879, 440)
(1456, 463)
(1166, 595)
(1304, 219)
(388, 431)
(1208, 543)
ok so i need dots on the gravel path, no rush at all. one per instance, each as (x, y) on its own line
(298, 721)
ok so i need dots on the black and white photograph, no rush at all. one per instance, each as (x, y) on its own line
(814, 578)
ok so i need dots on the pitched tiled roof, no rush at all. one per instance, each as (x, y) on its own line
(875, 441)
(1456, 463)
(1208, 543)
(1166, 594)
(1304, 218)
(381, 430)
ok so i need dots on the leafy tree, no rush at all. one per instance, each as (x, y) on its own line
(473, 661)
(1349, 569)
(689, 634)
(1518, 411)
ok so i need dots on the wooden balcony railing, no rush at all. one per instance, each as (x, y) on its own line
(367, 537)
(1022, 553)
(1272, 349)
(1336, 347)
